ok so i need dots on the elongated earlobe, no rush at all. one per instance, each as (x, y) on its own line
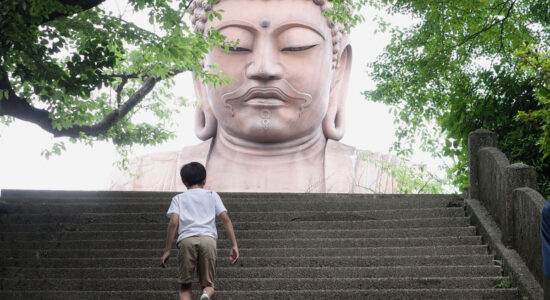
(206, 123)
(334, 121)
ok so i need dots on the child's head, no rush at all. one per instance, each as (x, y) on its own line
(192, 174)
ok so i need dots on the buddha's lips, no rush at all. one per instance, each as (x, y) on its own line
(266, 96)
(272, 95)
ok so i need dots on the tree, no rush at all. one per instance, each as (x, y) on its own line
(80, 72)
(469, 64)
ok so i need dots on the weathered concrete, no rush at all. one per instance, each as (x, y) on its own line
(268, 262)
(476, 140)
(252, 234)
(258, 252)
(516, 176)
(507, 191)
(275, 272)
(492, 165)
(382, 294)
(364, 247)
(497, 181)
(513, 264)
(237, 284)
(528, 205)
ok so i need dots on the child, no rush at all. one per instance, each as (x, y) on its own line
(193, 214)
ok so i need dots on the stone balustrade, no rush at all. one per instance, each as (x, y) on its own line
(508, 191)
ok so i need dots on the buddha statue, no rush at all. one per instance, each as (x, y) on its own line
(276, 127)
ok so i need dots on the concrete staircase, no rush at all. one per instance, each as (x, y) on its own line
(107, 245)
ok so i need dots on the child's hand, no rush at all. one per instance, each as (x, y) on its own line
(234, 255)
(164, 258)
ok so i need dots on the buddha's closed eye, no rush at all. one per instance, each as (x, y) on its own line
(239, 49)
(296, 49)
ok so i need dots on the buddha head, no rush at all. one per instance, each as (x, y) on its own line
(290, 67)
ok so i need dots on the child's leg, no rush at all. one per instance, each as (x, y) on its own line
(207, 264)
(187, 259)
(185, 291)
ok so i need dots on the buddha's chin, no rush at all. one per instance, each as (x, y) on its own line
(260, 131)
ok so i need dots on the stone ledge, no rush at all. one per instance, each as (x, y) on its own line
(512, 263)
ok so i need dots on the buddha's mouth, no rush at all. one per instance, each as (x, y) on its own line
(279, 93)
(271, 97)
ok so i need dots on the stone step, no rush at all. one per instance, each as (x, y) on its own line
(107, 196)
(250, 243)
(245, 234)
(130, 217)
(265, 262)
(15, 206)
(254, 252)
(236, 271)
(238, 198)
(251, 284)
(107, 245)
(401, 294)
(278, 225)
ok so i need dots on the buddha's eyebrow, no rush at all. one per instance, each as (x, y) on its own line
(236, 23)
(289, 24)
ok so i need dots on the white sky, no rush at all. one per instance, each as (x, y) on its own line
(80, 167)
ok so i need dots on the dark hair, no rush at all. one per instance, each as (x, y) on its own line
(193, 173)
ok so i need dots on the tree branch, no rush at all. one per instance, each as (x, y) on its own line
(28, 21)
(19, 108)
(119, 91)
(489, 26)
(83, 4)
(502, 24)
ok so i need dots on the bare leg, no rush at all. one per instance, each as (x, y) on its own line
(185, 291)
(208, 290)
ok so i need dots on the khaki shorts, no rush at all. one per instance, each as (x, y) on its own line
(197, 252)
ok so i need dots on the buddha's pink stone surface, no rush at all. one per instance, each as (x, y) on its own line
(276, 127)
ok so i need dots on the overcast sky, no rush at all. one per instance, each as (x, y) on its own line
(81, 167)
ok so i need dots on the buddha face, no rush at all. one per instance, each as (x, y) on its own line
(282, 68)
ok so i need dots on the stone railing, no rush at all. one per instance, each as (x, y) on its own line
(508, 192)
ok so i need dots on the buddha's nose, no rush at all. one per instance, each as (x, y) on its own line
(265, 65)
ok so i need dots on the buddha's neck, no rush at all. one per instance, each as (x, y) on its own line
(248, 151)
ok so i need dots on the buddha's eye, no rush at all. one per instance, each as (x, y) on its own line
(298, 38)
(238, 39)
(239, 49)
(296, 49)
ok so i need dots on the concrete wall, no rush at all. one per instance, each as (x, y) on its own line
(508, 192)
(528, 205)
(492, 165)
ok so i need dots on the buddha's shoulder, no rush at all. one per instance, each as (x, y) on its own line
(336, 148)
(158, 171)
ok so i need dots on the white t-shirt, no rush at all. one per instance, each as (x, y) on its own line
(197, 210)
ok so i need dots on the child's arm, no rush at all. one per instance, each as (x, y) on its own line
(170, 233)
(234, 253)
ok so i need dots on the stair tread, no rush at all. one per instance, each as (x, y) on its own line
(90, 245)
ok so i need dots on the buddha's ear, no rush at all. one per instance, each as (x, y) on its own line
(205, 121)
(334, 121)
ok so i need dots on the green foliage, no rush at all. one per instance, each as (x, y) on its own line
(465, 65)
(537, 64)
(347, 12)
(56, 149)
(409, 178)
(82, 64)
(502, 283)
